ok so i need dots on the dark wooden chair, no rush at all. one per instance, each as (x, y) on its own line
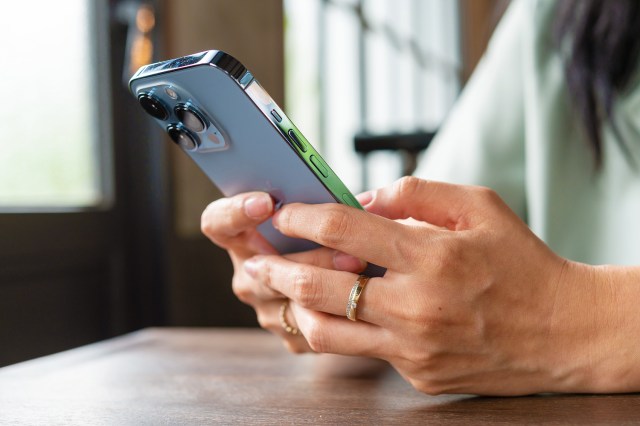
(407, 145)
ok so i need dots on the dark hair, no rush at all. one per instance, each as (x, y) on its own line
(600, 42)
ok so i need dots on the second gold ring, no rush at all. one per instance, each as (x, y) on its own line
(283, 319)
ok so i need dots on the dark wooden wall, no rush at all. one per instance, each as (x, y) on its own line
(253, 31)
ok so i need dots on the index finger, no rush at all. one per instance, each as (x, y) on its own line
(364, 235)
(324, 290)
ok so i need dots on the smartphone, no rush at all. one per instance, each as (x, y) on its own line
(215, 110)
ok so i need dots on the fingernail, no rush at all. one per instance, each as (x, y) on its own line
(346, 262)
(258, 206)
(275, 219)
(365, 197)
(251, 267)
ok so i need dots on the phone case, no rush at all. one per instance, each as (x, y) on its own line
(247, 143)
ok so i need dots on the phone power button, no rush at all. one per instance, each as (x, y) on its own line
(295, 139)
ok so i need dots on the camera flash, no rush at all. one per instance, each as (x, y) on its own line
(171, 93)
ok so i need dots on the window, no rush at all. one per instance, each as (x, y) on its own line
(48, 116)
(371, 65)
(79, 261)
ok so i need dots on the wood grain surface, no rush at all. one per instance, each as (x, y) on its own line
(244, 376)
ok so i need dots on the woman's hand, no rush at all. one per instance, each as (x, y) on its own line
(472, 302)
(231, 223)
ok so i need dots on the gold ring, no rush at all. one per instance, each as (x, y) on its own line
(283, 319)
(354, 296)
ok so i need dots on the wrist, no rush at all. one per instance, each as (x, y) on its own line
(573, 328)
(595, 331)
(616, 358)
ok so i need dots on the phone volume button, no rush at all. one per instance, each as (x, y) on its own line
(296, 140)
(319, 166)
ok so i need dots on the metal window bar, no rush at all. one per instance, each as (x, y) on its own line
(409, 145)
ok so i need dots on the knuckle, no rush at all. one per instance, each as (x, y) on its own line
(266, 321)
(241, 289)
(426, 360)
(485, 194)
(447, 259)
(407, 187)
(410, 248)
(462, 260)
(317, 337)
(305, 290)
(333, 227)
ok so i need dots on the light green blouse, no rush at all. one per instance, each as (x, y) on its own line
(513, 130)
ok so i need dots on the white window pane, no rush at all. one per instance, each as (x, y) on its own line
(47, 114)
(402, 95)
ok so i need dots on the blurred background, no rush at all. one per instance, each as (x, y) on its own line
(100, 213)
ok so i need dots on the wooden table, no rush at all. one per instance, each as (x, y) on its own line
(240, 376)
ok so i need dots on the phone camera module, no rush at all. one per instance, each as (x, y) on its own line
(191, 118)
(183, 137)
(153, 106)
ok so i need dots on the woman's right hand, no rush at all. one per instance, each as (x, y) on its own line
(231, 224)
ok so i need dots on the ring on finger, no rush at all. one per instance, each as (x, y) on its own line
(283, 319)
(354, 296)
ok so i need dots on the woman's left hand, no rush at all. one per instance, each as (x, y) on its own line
(472, 302)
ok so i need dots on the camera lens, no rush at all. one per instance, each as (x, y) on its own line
(183, 137)
(191, 118)
(153, 106)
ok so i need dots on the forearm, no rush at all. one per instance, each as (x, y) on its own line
(596, 325)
